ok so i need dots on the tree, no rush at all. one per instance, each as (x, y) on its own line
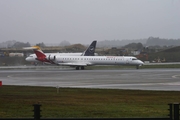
(64, 43)
(21, 45)
(136, 46)
(41, 44)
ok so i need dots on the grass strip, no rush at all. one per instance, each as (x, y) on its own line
(17, 101)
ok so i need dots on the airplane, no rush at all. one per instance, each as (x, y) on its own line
(90, 51)
(83, 61)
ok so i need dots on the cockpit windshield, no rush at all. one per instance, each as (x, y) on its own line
(134, 59)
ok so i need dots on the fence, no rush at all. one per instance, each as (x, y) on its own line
(173, 115)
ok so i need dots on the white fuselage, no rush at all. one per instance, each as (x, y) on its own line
(96, 60)
(32, 57)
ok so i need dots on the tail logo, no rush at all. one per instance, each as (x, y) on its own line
(91, 49)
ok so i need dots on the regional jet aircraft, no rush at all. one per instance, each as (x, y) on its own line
(45, 56)
(83, 61)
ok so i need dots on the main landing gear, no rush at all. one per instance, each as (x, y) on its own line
(77, 67)
(137, 66)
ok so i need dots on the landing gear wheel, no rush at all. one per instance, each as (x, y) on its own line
(82, 68)
(77, 68)
(137, 67)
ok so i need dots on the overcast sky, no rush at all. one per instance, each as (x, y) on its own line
(82, 21)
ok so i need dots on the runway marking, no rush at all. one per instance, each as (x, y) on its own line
(9, 76)
(175, 76)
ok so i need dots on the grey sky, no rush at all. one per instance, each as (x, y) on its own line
(82, 21)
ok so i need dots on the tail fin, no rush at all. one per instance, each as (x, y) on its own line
(90, 50)
(39, 53)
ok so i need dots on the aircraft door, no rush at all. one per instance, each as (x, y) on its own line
(127, 61)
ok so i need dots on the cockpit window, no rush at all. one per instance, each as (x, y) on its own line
(134, 59)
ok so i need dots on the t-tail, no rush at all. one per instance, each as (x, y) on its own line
(90, 50)
(40, 54)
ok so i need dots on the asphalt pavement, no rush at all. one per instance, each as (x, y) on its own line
(134, 79)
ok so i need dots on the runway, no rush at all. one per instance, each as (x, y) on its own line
(141, 79)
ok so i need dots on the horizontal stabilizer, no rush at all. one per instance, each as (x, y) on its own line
(32, 48)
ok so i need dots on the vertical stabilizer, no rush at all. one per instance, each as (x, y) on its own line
(90, 50)
(39, 53)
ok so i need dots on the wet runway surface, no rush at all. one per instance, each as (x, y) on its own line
(141, 79)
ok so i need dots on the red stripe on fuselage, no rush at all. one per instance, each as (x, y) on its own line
(42, 57)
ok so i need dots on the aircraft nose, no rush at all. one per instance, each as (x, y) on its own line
(27, 59)
(141, 62)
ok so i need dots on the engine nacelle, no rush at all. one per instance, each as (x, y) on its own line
(51, 57)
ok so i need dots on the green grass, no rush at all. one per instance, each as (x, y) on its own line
(17, 101)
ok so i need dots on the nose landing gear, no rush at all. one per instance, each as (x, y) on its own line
(137, 66)
(77, 67)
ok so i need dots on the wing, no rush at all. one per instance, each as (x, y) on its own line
(75, 64)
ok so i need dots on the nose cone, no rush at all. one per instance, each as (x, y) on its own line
(141, 62)
(27, 59)
(30, 59)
